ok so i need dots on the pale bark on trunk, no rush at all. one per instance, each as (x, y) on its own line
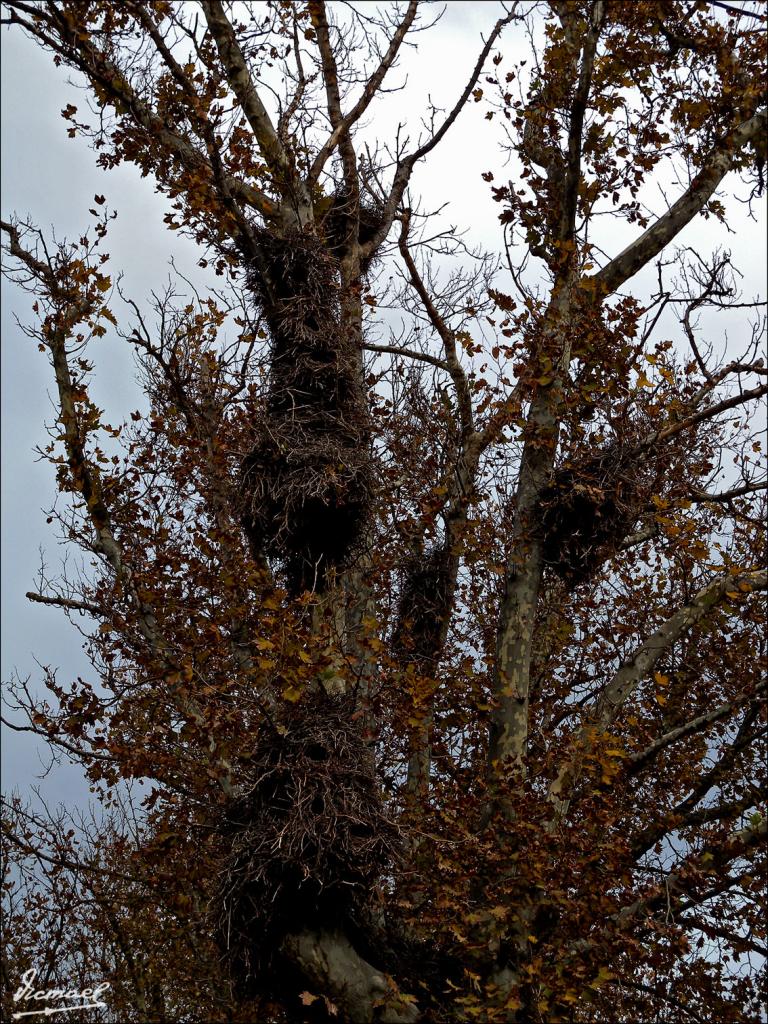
(360, 992)
(517, 613)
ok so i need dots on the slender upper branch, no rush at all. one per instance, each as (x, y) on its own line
(651, 242)
(240, 81)
(79, 50)
(640, 759)
(624, 682)
(317, 13)
(343, 124)
(578, 110)
(710, 413)
(406, 164)
(726, 496)
(444, 332)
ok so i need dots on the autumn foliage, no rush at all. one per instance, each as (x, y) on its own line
(439, 658)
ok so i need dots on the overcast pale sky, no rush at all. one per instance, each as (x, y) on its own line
(53, 180)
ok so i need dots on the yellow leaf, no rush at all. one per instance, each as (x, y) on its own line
(662, 680)
(292, 694)
(661, 699)
(603, 975)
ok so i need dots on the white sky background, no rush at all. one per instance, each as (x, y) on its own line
(53, 180)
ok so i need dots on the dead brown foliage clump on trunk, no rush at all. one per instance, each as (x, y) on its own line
(424, 601)
(307, 481)
(335, 224)
(588, 510)
(310, 836)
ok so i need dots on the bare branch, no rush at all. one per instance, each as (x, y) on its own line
(445, 333)
(66, 862)
(250, 102)
(740, 11)
(406, 164)
(707, 414)
(372, 86)
(624, 682)
(642, 250)
(317, 13)
(67, 603)
(408, 353)
(726, 496)
(636, 762)
(647, 533)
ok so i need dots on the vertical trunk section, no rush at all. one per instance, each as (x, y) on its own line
(517, 613)
(307, 481)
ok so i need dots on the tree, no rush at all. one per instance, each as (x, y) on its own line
(443, 655)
